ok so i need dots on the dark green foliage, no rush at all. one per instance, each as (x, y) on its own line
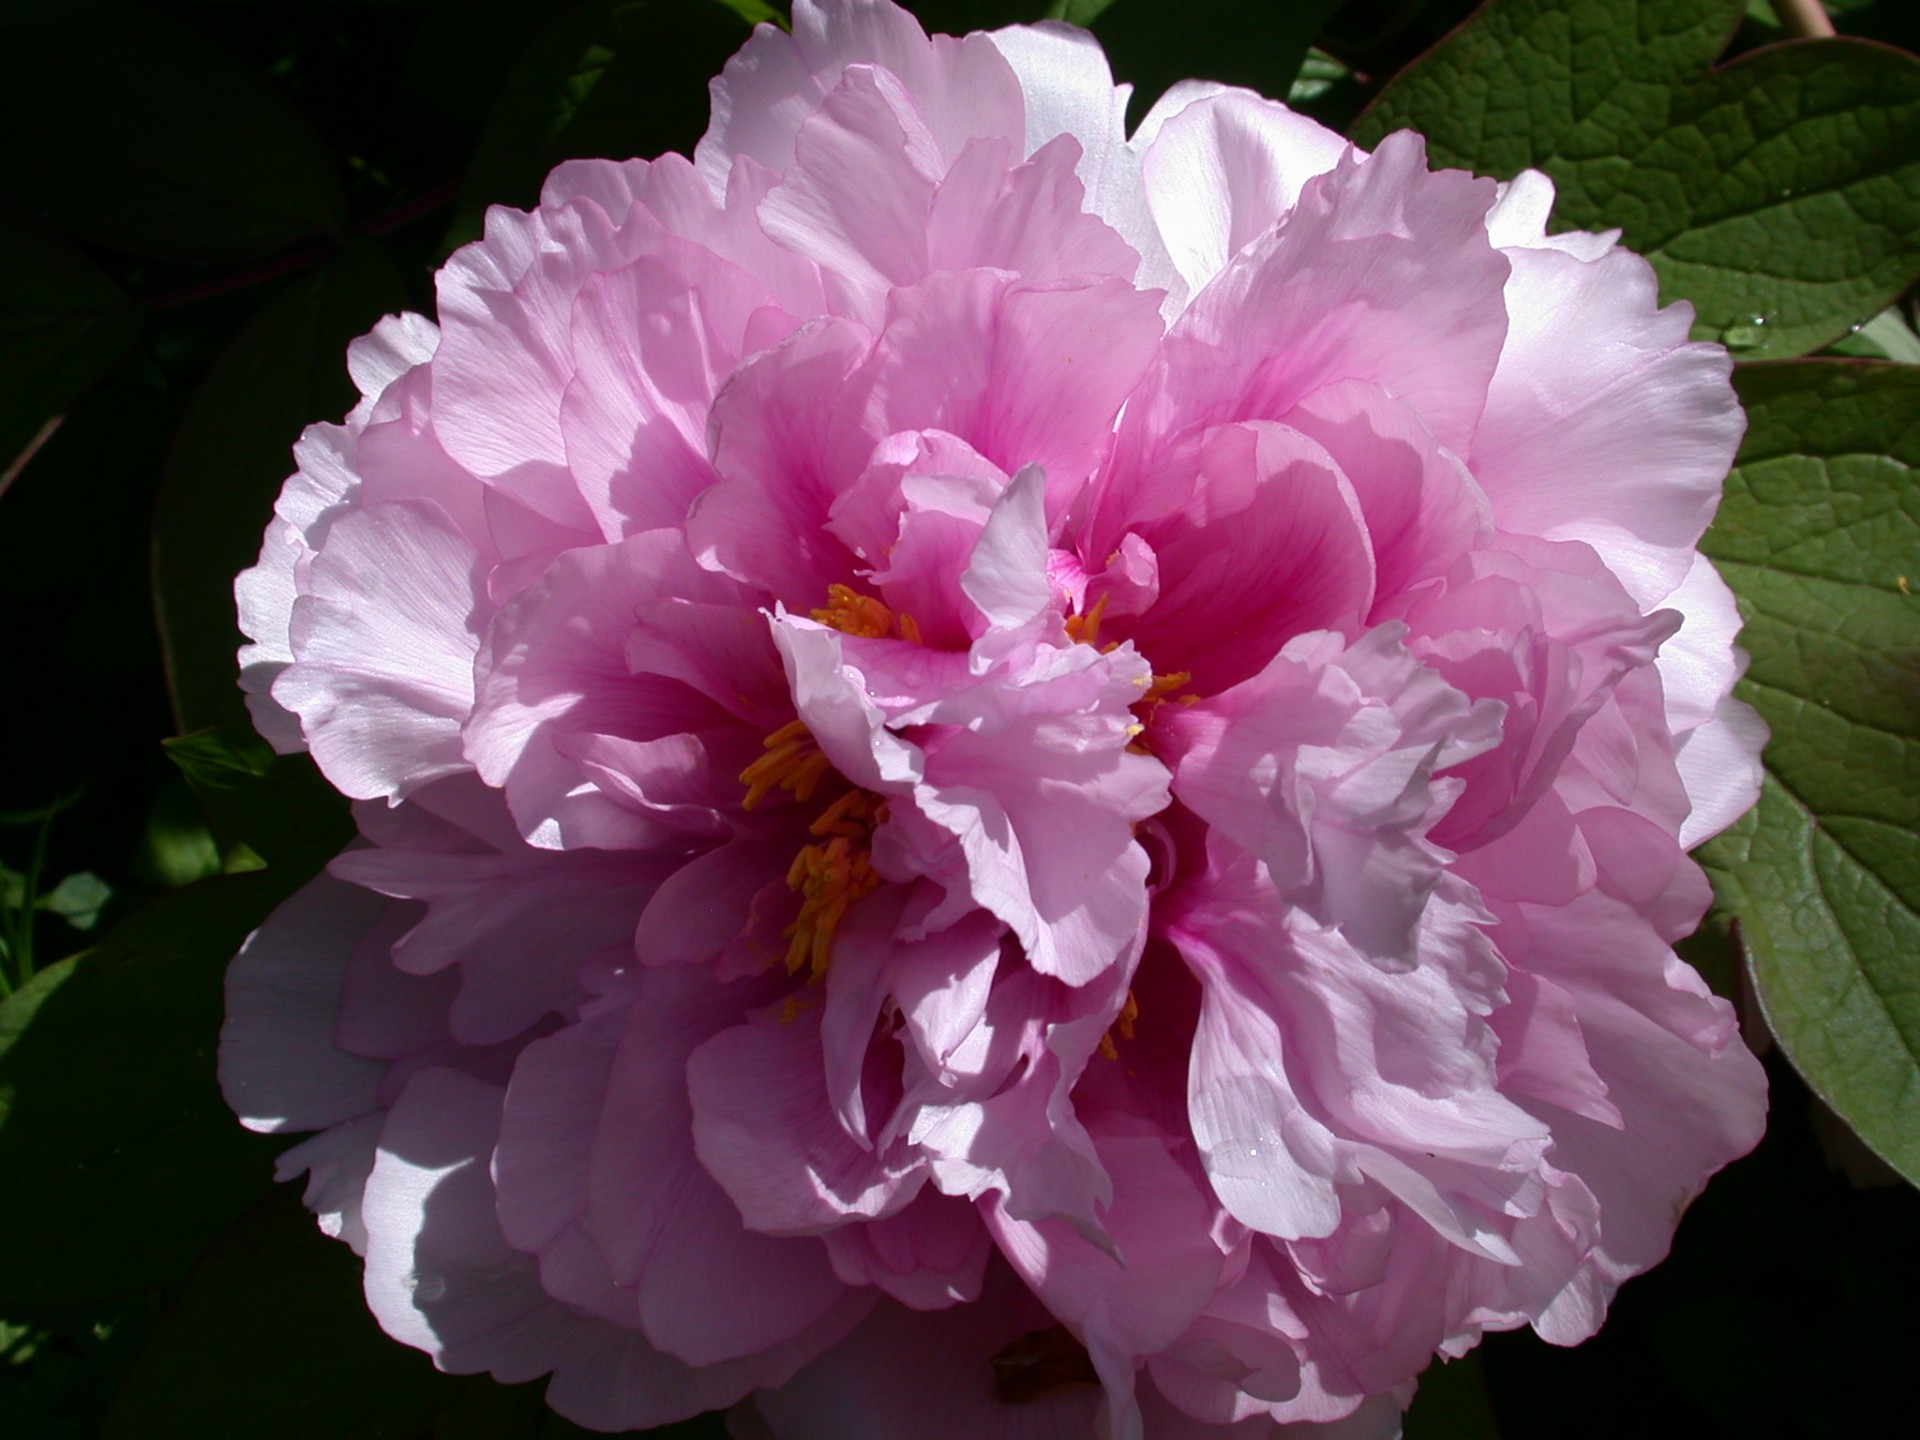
(1242, 42)
(1819, 535)
(1779, 194)
(606, 79)
(118, 1159)
(141, 136)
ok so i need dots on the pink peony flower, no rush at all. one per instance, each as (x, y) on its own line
(1013, 780)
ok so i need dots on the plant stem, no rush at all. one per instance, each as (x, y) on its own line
(22, 938)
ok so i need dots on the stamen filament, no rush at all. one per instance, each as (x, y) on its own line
(830, 876)
(847, 609)
(792, 763)
(1084, 628)
(1122, 1026)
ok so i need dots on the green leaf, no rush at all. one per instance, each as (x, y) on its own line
(1319, 74)
(285, 369)
(118, 1158)
(755, 12)
(78, 899)
(270, 1335)
(1780, 194)
(176, 847)
(1885, 337)
(1077, 12)
(1819, 535)
(141, 135)
(1242, 42)
(261, 808)
(220, 757)
(63, 325)
(612, 79)
(56, 1374)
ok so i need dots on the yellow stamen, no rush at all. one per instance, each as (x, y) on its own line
(847, 609)
(1159, 690)
(792, 763)
(1122, 1026)
(856, 614)
(853, 815)
(1085, 627)
(830, 876)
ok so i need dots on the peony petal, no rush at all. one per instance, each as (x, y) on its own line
(1222, 169)
(709, 1290)
(783, 453)
(440, 1276)
(556, 664)
(1024, 218)
(279, 1068)
(1025, 373)
(520, 927)
(336, 1163)
(1421, 505)
(962, 88)
(703, 906)
(265, 594)
(1163, 1266)
(1720, 766)
(877, 1381)
(929, 1255)
(383, 646)
(765, 1129)
(547, 1125)
(505, 356)
(1069, 90)
(1268, 1159)
(1621, 439)
(651, 344)
(1719, 737)
(1295, 310)
(1051, 852)
(1652, 1031)
(1273, 544)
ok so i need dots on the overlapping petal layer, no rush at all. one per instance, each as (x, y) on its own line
(1012, 778)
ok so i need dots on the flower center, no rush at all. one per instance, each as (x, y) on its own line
(830, 875)
(1122, 1027)
(1083, 628)
(834, 871)
(856, 614)
(792, 763)
(837, 869)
